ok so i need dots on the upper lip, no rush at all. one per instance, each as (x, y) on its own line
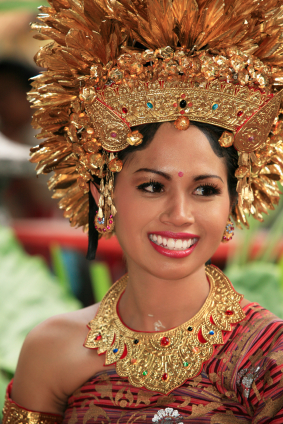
(170, 234)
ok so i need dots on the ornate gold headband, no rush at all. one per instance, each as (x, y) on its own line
(202, 62)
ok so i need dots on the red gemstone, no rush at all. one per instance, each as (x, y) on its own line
(182, 112)
(165, 376)
(183, 96)
(98, 337)
(190, 104)
(165, 341)
(228, 312)
(240, 113)
(124, 110)
(175, 104)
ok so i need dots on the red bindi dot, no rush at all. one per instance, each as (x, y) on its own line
(180, 174)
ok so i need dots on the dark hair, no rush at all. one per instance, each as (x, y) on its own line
(212, 132)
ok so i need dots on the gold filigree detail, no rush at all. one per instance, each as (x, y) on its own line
(165, 360)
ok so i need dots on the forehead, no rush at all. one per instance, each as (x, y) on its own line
(172, 150)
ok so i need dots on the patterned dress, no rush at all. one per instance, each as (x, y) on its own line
(241, 383)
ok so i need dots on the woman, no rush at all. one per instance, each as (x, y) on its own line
(179, 343)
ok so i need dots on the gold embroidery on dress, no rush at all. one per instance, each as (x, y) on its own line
(94, 412)
(270, 409)
(228, 418)
(200, 410)
(143, 397)
(74, 417)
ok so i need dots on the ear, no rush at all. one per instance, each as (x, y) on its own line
(95, 192)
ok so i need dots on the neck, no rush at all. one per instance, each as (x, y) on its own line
(153, 304)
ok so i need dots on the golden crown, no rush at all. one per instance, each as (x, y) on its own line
(248, 113)
(203, 61)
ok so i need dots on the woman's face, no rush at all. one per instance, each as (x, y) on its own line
(173, 203)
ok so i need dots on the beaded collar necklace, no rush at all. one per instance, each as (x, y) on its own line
(163, 361)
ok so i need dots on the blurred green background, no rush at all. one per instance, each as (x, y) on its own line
(21, 4)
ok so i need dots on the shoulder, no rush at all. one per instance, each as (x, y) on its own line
(53, 362)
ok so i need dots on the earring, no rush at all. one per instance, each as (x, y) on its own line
(104, 218)
(229, 232)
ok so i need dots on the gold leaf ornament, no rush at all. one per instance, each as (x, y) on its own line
(226, 139)
(182, 123)
(134, 138)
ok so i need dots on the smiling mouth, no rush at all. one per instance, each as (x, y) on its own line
(171, 243)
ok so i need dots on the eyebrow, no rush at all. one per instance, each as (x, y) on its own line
(205, 176)
(154, 171)
(168, 177)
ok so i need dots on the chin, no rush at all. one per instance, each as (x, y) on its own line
(170, 271)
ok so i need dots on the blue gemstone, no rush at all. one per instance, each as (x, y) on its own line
(115, 350)
(149, 105)
(211, 333)
(215, 106)
(100, 220)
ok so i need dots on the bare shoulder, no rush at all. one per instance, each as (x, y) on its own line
(53, 362)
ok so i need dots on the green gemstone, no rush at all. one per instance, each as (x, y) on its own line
(215, 106)
(186, 364)
(144, 373)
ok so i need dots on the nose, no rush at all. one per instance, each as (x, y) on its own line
(178, 211)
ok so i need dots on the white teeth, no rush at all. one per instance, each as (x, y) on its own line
(184, 244)
(172, 244)
(178, 244)
(159, 240)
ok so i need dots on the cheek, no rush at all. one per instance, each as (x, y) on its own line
(132, 213)
(214, 218)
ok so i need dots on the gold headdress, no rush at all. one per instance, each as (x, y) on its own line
(213, 61)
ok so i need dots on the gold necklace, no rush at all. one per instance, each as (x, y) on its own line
(163, 361)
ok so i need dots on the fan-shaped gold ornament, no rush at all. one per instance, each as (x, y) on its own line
(211, 61)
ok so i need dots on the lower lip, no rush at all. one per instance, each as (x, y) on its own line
(173, 253)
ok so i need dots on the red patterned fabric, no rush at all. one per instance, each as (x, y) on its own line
(241, 383)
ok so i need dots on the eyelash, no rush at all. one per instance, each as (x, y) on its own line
(214, 189)
(151, 183)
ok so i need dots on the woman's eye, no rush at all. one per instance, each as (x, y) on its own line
(207, 190)
(151, 187)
